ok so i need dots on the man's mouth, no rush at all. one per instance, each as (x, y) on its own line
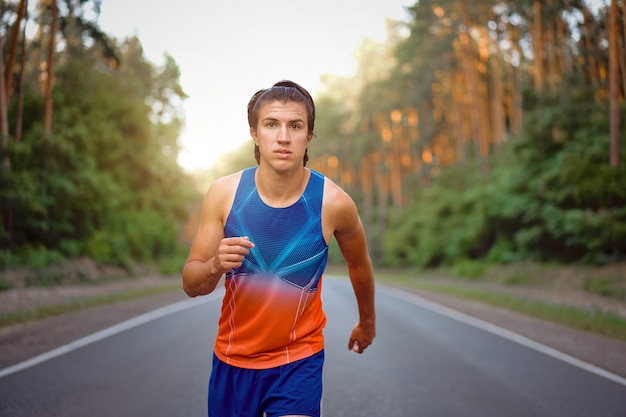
(282, 152)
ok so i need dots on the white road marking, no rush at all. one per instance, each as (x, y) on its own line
(113, 330)
(499, 331)
(399, 294)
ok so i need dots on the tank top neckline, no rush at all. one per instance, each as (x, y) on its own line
(252, 178)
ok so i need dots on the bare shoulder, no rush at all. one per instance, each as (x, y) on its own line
(226, 183)
(334, 196)
(219, 198)
(339, 209)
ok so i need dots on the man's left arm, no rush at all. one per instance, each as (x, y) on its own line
(351, 238)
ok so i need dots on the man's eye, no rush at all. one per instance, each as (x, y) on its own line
(295, 126)
(271, 124)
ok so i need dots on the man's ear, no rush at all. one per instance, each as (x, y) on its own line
(253, 135)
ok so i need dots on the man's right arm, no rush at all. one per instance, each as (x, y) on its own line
(211, 255)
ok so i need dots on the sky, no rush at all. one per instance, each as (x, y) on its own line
(228, 50)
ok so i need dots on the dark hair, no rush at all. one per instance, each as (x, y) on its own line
(283, 91)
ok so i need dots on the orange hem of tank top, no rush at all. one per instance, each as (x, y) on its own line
(274, 363)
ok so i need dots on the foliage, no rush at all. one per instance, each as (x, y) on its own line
(105, 183)
(463, 142)
(543, 200)
(475, 136)
(445, 223)
(606, 287)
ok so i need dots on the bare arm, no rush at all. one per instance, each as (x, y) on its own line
(211, 254)
(350, 236)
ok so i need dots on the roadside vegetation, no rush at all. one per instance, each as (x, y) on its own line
(493, 288)
(40, 312)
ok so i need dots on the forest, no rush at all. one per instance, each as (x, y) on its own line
(89, 142)
(486, 130)
(481, 131)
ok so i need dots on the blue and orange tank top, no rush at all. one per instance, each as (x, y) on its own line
(272, 310)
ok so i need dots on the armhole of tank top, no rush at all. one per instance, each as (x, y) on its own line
(244, 179)
(320, 181)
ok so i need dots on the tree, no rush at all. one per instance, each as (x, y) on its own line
(614, 84)
(54, 13)
(470, 74)
(111, 187)
(21, 12)
(5, 162)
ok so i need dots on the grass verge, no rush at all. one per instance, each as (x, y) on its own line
(596, 321)
(43, 312)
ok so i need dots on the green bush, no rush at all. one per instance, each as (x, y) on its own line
(543, 200)
(607, 287)
(173, 263)
(446, 222)
(105, 182)
(4, 286)
(32, 257)
(469, 269)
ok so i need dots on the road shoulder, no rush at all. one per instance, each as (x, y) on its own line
(600, 351)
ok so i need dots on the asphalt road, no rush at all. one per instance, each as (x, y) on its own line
(425, 361)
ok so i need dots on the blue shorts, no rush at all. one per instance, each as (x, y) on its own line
(292, 389)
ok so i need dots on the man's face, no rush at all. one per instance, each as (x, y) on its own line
(282, 134)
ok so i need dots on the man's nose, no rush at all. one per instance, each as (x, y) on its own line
(283, 134)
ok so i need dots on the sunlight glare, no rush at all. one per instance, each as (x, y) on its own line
(228, 51)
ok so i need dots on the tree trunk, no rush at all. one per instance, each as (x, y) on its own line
(19, 111)
(50, 70)
(382, 182)
(394, 159)
(497, 91)
(538, 67)
(4, 119)
(458, 131)
(516, 112)
(588, 24)
(614, 83)
(564, 50)
(367, 187)
(481, 65)
(6, 162)
(622, 48)
(471, 77)
(552, 55)
(12, 51)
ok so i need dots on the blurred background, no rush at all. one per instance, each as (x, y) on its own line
(470, 133)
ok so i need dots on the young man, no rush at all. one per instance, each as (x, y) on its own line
(268, 228)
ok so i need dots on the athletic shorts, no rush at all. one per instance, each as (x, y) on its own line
(292, 389)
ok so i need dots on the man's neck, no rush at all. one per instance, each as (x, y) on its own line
(281, 189)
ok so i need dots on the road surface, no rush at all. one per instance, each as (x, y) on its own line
(426, 361)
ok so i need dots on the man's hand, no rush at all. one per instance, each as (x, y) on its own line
(231, 252)
(362, 336)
